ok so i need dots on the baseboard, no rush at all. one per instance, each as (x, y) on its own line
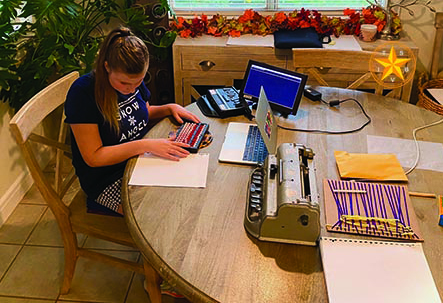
(16, 192)
(13, 196)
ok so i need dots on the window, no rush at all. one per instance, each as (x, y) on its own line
(17, 23)
(232, 7)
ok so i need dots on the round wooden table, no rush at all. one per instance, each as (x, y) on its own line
(195, 237)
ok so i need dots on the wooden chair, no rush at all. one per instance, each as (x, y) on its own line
(438, 44)
(324, 65)
(72, 218)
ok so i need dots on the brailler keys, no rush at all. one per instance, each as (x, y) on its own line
(192, 134)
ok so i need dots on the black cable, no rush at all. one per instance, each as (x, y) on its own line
(334, 103)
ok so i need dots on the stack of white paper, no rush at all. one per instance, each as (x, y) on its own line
(358, 270)
(151, 170)
(437, 93)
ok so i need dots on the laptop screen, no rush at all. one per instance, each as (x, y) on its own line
(284, 88)
(266, 122)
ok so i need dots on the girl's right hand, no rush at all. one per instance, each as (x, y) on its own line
(167, 148)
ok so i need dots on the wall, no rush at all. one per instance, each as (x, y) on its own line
(14, 177)
(420, 28)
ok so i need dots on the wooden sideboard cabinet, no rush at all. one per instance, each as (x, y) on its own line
(207, 60)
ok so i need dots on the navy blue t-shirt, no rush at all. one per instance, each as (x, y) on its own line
(81, 108)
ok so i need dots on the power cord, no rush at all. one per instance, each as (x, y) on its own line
(417, 148)
(314, 95)
(331, 104)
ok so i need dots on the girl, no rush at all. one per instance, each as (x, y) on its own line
(108, 113)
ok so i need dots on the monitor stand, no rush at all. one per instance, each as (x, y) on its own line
(275, 111)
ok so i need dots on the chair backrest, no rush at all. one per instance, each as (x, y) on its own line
(438, 44)
(23, 125)
(333, 67)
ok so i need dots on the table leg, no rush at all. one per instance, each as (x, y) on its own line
(152, 283)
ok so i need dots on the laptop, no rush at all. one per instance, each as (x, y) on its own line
(240, 142)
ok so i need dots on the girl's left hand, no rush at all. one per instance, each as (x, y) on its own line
(180, 113)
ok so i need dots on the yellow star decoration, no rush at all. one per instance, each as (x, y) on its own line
(392, 64)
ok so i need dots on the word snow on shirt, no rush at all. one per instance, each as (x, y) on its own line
(133, 118)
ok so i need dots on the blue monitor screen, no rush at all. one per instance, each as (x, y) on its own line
(283, 87)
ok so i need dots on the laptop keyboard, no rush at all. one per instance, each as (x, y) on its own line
(255, 149)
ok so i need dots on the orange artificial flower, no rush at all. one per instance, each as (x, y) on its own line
(234, 33)
(380, 25)
(185, 33)
(212, 30)
(280, 17)
(366, 12)
(348, 11)
(293, 22)
(268, 20)
(304, 24)
(247, 16)
(179, 23)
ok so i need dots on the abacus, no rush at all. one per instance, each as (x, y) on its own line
(192, 134)
(370, 209)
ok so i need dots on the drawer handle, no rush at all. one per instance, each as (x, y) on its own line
(323, 70)
(206, 65)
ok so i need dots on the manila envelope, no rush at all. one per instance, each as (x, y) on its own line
(369, 166)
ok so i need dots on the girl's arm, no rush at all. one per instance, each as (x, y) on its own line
(177, 111)
(95, 154)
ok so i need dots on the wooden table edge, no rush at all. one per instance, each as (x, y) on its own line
(165, 271)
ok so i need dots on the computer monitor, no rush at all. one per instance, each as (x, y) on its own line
(284, 88)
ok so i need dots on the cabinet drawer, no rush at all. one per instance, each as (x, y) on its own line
(215, 61)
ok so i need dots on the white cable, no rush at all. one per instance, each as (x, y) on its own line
(416, 143)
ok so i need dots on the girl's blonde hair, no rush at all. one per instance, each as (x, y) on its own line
(123, 53)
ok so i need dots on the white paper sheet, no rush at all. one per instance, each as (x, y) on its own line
(437, 93)
(252, 40)
(376, 271)
(345, 42)
(151, 170)
(431, 153)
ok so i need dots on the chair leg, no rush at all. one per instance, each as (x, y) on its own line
(153, 281)
(71, 257)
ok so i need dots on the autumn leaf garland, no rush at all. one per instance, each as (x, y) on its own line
(251, 22)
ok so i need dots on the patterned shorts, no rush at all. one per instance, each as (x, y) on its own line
(111, 196)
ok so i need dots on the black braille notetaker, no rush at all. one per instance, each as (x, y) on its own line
(191, 133)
